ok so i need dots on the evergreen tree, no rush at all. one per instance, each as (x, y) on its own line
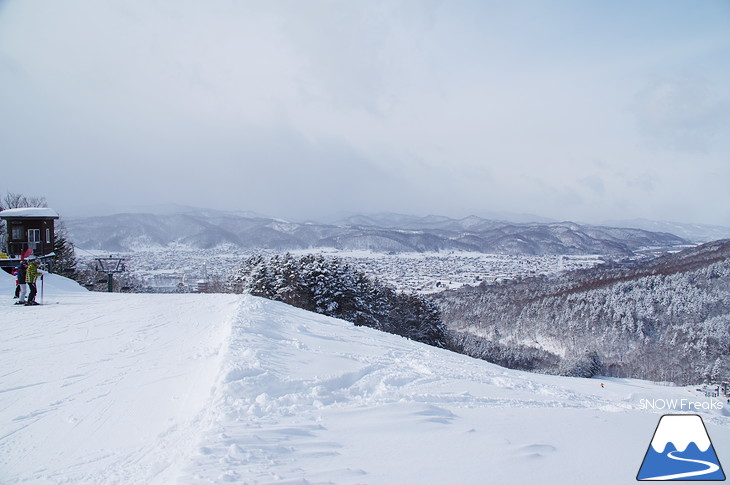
(331, 287)
(64, 261)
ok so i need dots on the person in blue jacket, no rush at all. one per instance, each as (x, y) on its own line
(22, 288)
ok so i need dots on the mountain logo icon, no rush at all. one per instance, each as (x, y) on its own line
(681, 450)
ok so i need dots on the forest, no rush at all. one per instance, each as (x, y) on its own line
(665, 320)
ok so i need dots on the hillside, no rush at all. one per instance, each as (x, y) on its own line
(200, 389)
(665, 319)
(206, 229)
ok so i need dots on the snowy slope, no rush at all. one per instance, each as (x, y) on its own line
(198, 389)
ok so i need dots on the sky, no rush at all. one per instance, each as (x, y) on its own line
(572, 110)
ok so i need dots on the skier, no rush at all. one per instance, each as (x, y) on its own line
(31, 276)
(17, 281)
(22, 286)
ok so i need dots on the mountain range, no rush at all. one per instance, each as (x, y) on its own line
(699, 233)
(205, 229)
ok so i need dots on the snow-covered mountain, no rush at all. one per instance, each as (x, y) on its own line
(122, 389)
(693, 232)
(206, 229)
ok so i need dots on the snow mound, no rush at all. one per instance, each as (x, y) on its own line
(52, 283)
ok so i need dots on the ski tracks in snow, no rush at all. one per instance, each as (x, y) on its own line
(113, 400)
(293, 392)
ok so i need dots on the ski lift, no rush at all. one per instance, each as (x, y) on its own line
(110, 266)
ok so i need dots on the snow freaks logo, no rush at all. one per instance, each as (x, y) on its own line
(681, 450)
(680, 405)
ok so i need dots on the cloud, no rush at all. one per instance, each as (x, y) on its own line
(290, 108)
(681, 112)
(594, 183)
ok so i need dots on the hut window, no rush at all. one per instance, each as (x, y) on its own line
(34, 237)
(48, 236)
(17, 233)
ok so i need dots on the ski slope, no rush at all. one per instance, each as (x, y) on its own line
(102, 388)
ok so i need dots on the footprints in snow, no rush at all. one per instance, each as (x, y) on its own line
(534, 452)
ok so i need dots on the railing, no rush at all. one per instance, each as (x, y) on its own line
(17, 248)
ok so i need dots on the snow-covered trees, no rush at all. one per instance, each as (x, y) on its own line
(65, 259)
(331, 287)
(586, 365)
(511, 355)
(666, 320)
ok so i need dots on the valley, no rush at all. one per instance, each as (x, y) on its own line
(178, 268)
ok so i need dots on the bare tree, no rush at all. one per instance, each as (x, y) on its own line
(16, 201)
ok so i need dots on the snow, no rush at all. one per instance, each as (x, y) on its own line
(40, 212)
(100, 388)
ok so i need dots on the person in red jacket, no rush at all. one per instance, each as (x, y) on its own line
(17, 281)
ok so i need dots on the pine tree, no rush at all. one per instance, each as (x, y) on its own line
(332, 287)
(64, 261)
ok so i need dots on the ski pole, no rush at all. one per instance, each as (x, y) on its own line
(41, 289)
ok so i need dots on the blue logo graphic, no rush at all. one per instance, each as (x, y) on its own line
(681, 450)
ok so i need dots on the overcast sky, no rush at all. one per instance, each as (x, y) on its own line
(581, 110)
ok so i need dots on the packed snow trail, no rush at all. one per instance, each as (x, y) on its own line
(106, 382)
(209, 389)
